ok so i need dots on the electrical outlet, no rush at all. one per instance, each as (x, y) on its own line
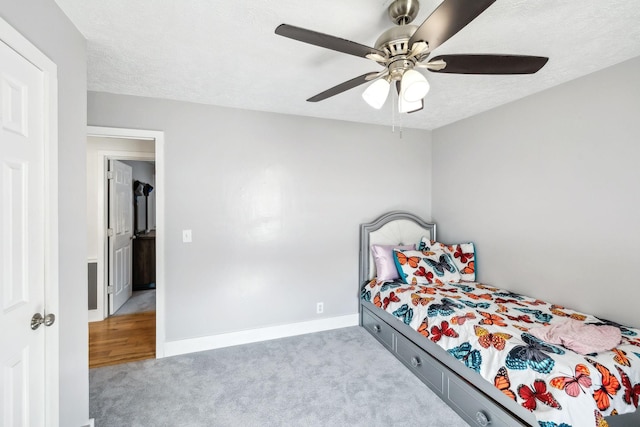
(319, 308)
(186, 236)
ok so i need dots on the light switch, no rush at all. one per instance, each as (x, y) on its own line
(186, 236)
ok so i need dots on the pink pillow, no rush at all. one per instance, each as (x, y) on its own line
(385, 264)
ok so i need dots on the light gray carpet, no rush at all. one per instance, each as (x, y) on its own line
(342, 377)
(140, 302)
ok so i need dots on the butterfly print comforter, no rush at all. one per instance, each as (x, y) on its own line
(486, 329)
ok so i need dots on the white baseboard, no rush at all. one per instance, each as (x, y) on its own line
(95, 316)
(91, 423)
(174, 348)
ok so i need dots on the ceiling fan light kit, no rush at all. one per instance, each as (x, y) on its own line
(376, 94)
(405, 106)
(414, 86)
(403, 48)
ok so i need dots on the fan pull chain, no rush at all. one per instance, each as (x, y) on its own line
(396, 117)
(393, 111)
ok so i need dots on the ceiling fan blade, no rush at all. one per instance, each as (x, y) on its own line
(374, 76)
(342, 87)
(327, 41)
(490, 64)
(448, 18)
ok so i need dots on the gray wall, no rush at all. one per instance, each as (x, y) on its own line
(274, 202)
(44, 24)
(547, 187)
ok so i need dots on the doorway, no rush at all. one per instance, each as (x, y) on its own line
(134, 322)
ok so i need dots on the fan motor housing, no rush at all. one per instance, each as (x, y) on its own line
(396, 39)
(398, 67)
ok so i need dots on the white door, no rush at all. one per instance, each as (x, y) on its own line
(22, 245)
(120, 234)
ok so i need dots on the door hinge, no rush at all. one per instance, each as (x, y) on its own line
(110, 232)
(109, 289)
(110, 175)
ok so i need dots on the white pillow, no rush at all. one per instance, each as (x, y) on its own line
(419, 267)
(463, 255)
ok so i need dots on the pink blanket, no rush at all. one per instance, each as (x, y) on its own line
(579, 337)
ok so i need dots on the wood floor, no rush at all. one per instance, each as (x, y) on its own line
(121, 339)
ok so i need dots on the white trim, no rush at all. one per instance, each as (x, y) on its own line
(158, 136)
(20, 44)
(95, 315)
(49, 70)
(211, 342)
(107, 132)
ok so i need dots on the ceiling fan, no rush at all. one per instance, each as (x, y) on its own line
(402, 49)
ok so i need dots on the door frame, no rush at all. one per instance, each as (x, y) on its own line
(158, 137)
(26, 49)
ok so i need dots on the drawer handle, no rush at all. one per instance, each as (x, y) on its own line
(482, 419)
(415, 361)
(376, 328)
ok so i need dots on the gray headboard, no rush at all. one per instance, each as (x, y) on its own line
(393, 228)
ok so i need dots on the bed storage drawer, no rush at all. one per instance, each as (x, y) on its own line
(378, 328)
(470, 403)
(421, 363)
(477, 410)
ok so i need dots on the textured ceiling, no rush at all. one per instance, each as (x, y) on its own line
(226, 53)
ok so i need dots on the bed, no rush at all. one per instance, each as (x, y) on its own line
(475, 345)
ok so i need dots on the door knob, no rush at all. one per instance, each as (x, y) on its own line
(38, 320)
